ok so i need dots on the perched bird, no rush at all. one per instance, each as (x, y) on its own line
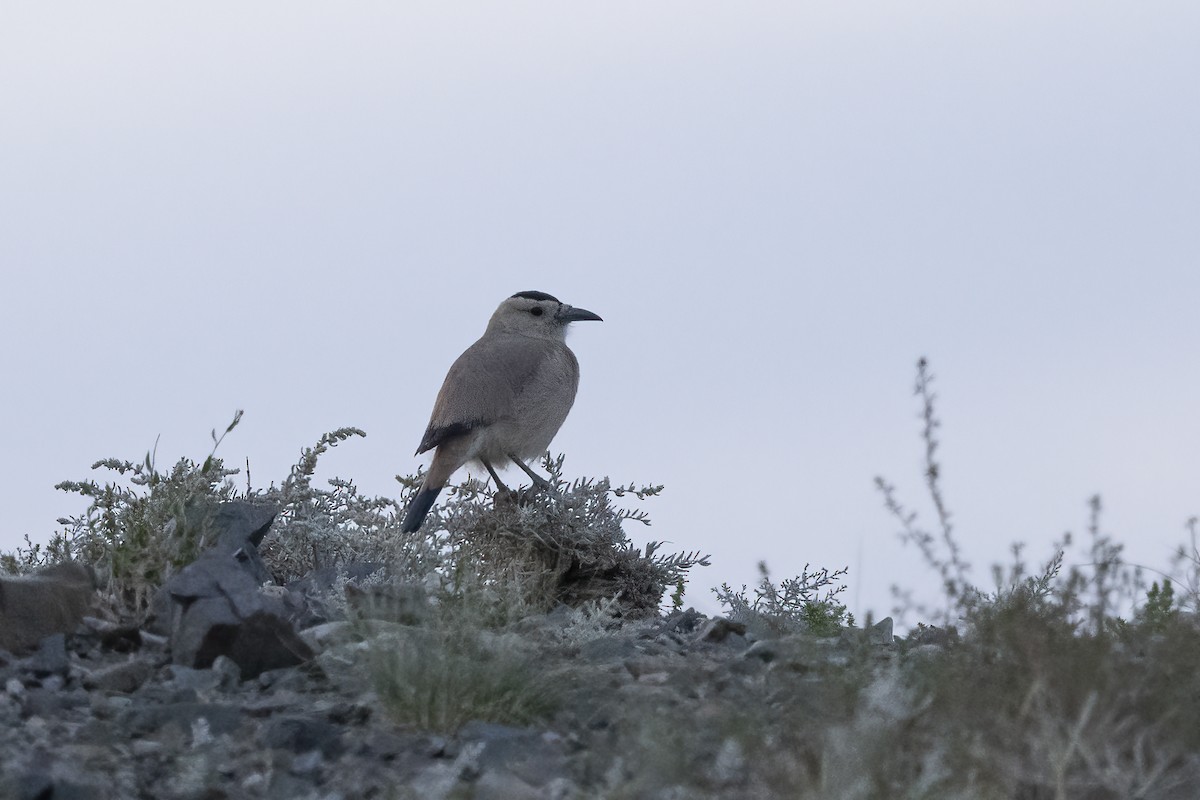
(504, 398)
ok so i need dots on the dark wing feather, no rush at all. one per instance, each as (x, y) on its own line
(436, 435)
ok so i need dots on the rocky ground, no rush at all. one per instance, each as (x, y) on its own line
(346, 684)
(105, 713)
(658, 708)
(340, 686)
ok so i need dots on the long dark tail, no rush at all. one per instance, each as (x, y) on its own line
(419, 506)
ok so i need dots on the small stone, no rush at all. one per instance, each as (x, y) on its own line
(561, 789)
(125, 678)
(654, 678)
(228, 672)
(153, 640)
(931, 634)
(763, 650)
(198, 680)
(684, 622)
(50, 658)
(117, 703)
(331, 634)
(301, 734)
(307, 763)
(608, 648)
(255, 781)
(287, 679)
(147, 747)
(730, 764)
(719, 629)
(500, 785)
(640, 667)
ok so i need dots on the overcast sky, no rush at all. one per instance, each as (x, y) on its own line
(309, 210)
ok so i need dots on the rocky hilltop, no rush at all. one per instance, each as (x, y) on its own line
(345, 685)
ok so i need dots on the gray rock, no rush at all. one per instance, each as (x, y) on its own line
(241, 522)
(719, 630)
(227, 671)
(219, 610)
(302, 734)
(284, 680)
(878, 635)
(309, 763)
(197, 680)
(309, 598)
(730, 765)
(932, 634)
(770, 650)
(499, 785)
(143, 720)
(535, 757)
(332, 634)
(608, 648)
(50, 658)
(684, 622)
(45, 702)
(881, 632)
(39, 784)
(52, 600)
(238, 527)
(125, 678)
(111, 705)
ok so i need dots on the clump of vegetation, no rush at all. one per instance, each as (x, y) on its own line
(807, 603)
(562, 546)
(139, 527)
(455, 669)
(485, 559)
(339, 526)
(1049, 692)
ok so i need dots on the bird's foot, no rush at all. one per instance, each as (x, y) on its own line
(538, 480)
(521, 496)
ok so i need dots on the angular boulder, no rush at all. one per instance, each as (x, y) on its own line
(214, 606)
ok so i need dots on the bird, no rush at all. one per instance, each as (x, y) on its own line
(504, 398)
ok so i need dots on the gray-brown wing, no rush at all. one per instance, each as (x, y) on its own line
(483, 384)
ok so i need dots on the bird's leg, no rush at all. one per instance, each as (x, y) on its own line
(538, 480)
(499, 483)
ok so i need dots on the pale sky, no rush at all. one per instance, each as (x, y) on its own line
(309, 210)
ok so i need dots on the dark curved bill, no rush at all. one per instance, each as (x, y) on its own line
(571, 314)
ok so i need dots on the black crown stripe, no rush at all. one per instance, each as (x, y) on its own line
(532, 295)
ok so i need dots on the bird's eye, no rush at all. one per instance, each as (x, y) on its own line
(536, 311)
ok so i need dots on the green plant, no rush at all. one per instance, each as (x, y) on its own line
(137, 533)
(1049, 692)
(456, 669)
(807, 603)
(1159, 612)
(677, 595)
(1187, 561)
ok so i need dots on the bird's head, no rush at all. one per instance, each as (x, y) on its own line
(537, 314)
